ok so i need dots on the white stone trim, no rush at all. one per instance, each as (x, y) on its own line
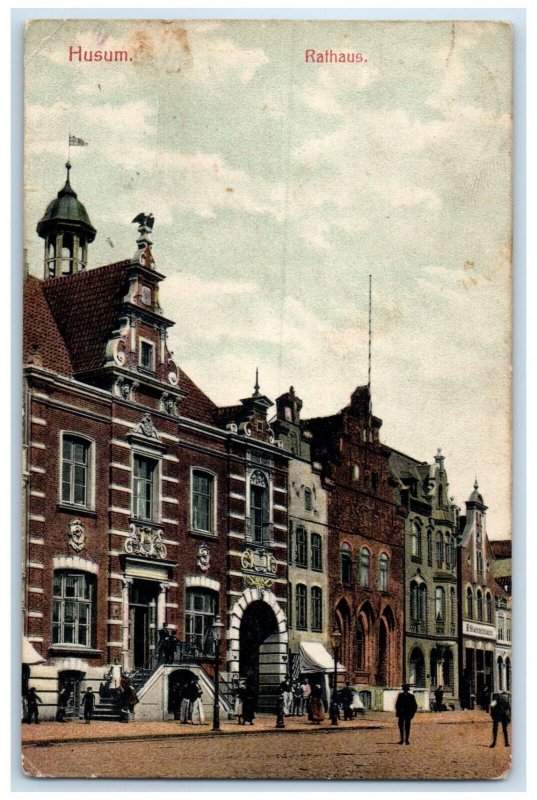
(118, 510)
(37, 518)
(202, 580)
(170, 479)
(238, 478)
(74, 562)
(36, 493)
(36, 540)
(38, 445)
(36, 590)
(169, 521)
(35, 614)
(248, 596)
(117, 465)
(36, 564)
(118, 488)
(38, 421)
(39, 470)
(238, 496)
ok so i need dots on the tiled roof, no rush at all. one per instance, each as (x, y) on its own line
(501, 548)
(196, 405)
(42, 341)
(85, 307)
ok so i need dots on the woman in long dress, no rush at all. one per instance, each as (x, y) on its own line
(198, 717)
(316, 704)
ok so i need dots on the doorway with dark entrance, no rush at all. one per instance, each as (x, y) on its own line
(177, 681)
(259, 653)
(142, 621)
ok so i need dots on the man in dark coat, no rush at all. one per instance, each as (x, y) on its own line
(32, 700)
(88, 702)
(162, 646)
(500, 711)
(405, 709)
(347, 696)
(63, 699)
(438, 698)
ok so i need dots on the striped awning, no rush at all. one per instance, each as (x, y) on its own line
(29, 653)
(314, 657)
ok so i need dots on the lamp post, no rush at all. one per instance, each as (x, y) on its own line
(336, 639)
(217, 628)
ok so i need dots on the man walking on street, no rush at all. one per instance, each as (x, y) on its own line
(438, 698)
(405, 709)
(88, 701)
(500, 711)
(32, 700)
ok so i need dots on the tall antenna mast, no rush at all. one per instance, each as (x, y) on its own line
(369, 347)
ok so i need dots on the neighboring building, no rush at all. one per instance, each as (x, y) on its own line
(431, 637)
(309, 615)
(365, 548)
(501, 569)
(477, 605)
(144, 502)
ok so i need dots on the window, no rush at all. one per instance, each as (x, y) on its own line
(259, 513)
(346, 564)
(316, 551)
(479, 558)
(440, 604)
(416, 541)
(75, 471)
(383, 572)
(316, 609)
(422, 603)
(146, 355)
(418, 602)
(365, 562)
(72, 608)
(452, 607)
(501, 627)
(488, 607)
(430, 548)
(308, 500)
(469, 603)
(479, 605)
(199, 617)
(145, 488)
(301, 607)
(202, 501)
(448, 551)
(439, 549)
(301, 548)
(360, 645)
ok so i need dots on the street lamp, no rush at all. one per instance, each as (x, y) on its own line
(336, 640)
(217, 628)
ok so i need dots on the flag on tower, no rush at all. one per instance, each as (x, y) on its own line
(74, 141)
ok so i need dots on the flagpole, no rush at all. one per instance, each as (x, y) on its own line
(69, 149)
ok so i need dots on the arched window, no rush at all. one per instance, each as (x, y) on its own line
(439, 549)
(415, 541)
(448, 551)
(200, 613)
(469, 603)
(308, 500)
(365, 563)
(422, 603)
(479, 557)
(316, 551)
(500, 673)
(316, 609)
(488, 607)
(452, 608)
(430, 548)
(73, 598)
(507, 674)
(259, 507)
(346, 564)
(440, 605)
(413, 601)
(418, 601)
(501, 627)
(360, 645)
(301, 607)
(383, 572)
(301, 549)
(479, 604)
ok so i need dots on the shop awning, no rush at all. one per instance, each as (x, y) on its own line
(29, 653)
(314, 657)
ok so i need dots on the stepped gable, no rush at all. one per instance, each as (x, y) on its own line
(43, 344)
(86, 308)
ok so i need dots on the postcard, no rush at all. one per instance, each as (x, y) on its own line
(266, 523)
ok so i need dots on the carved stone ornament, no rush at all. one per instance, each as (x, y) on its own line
(125, 388)
(77, 535)
(145, 542)
(146, 257)
(169, 404)
(259, 561)
(256, 581)
(146, 427)
(203, 558)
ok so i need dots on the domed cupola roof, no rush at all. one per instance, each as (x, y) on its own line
(476, 497)
(66, 212)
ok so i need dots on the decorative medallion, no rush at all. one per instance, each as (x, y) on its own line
(145, 542)
(77, 536)
(203, 558)
(146, 427)
(258, 582)
(259, 561)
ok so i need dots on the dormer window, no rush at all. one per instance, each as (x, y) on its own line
(147, 355)
(288, 414)
(308, 500)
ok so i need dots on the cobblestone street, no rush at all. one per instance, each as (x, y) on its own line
(365, 749)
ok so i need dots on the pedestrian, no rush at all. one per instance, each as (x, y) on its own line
(248, 696)
(405, 709)
(113, 678)
(128, 697)
(297, 698)
(163, 636)
(175, 700)
(357, 707)
(500, 711)
(185, 712)
(32, 700)
(306, 696)
(347, 696)
(238, 702)
(88, 701)
(169, 646)
(316, 704)
(198, 717)
(286, 693)
(63, 698)
(438, 698)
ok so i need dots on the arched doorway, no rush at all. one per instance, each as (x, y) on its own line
(416, 675)
(364, 655)
(448, 674)
(259, 652)
(177, 680)
(342, 619)
(385, 643)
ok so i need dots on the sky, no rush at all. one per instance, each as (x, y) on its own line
(278, 186)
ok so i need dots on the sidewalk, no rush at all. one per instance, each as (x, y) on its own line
(47, 733)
